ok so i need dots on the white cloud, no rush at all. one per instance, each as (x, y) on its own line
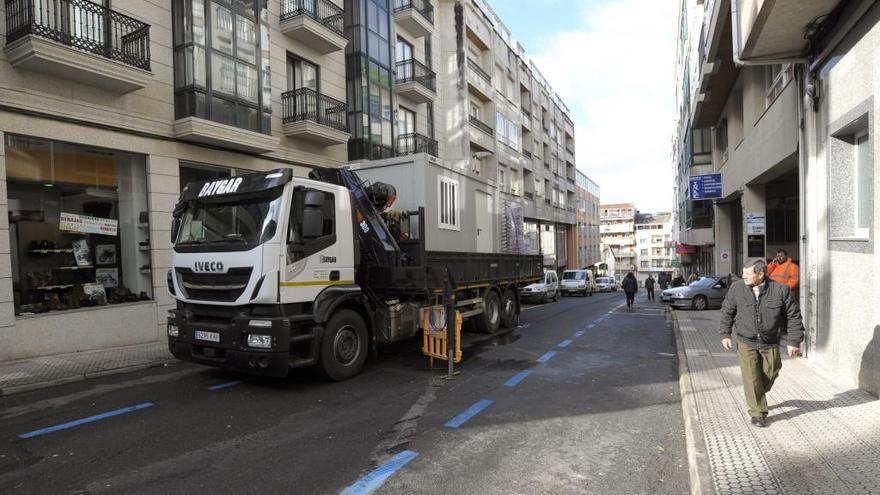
(616, 74)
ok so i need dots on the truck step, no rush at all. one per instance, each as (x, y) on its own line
(473, 312)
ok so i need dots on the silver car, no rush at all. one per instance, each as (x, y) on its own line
(702, 294)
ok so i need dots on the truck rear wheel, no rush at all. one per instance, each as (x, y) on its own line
(509, 317)
(490, 320)
(343, 346)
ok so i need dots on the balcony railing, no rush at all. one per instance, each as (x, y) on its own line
(529, 195)
(420, 6)
(526, 112)
(323, 11)
(527, 153)
(479, 124)
(409, 144)
(479, 70)
(413, 70)
(307, 104)
(82, 25)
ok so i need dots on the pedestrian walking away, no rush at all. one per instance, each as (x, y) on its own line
(784, 271)
(649, 286)
(630, 286)
(763, 314)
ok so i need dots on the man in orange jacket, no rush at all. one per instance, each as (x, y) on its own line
(784, 271)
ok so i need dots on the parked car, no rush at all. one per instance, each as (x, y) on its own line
(543, 291)
(606, 284)
(577, 282)
(705, 293)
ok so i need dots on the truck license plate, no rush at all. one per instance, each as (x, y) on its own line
(209, 336)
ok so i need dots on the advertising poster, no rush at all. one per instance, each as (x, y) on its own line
(84, 224)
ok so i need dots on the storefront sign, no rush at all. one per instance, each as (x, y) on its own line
(72, 222)
(685, 249)
(725, 255)
(705, 186)
(756, 246)
(756, 224)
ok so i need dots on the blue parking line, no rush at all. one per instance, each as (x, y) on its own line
(577, 334)
(547, 357)
(468, 413)
(224, 385)
(377, 477)
(591, 325)
(90, 419)
(515, 379)
(564, 343)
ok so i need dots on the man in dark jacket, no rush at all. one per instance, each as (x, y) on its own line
(630, 285)
(649, 286)
(765, 315)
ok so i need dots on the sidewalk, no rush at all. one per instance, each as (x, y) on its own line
(30, 374)
(821, 438)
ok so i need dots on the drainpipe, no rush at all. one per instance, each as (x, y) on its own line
(737, 49)
(805, 302)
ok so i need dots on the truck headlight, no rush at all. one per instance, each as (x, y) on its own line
(259, 341)
(172, 330)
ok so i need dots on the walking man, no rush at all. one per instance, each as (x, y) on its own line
(630, 285)
(764, 314)
(649, 286)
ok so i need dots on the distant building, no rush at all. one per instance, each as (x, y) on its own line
(617, 229)
(587, 239)
(654, 245)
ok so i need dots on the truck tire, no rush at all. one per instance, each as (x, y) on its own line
(490, 320)
(509, 316)
(344, 346)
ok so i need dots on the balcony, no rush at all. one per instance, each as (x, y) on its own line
(410, 144)
(479, 82)
(482, 135)
(317, 24)
(312, 116)
(776, 29)
(415, 81)
(416, 16)
(79, 40)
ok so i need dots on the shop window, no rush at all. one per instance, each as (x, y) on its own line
(78, 225)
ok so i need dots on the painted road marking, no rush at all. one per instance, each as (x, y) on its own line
(468, 413)
(564, 343)
(547, 357)
(577, 334)
(591, 325)
(377, 477)
(515, 379)
(90, 419)
(665, 354)
(224, 385)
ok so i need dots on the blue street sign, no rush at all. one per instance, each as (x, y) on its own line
(704, 186)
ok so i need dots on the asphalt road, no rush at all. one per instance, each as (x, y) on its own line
(582, 398)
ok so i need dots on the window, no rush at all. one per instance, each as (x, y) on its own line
(449, 205)
(701, 146)
(221, 62)
(404, 53)
(502, 180)
(429, 119)
(79, 228)
(475, 111)
(721, 136)
(312, 223)
(301, 74)
(643, 264)
(513, 135)
(862, 176)
(644, 252)
(500, 128)
(406, 121)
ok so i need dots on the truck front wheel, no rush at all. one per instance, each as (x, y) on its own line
(490, 320)
(343, 346)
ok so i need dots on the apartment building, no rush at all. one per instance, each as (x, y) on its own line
(108, 110)
(785, 93)
(493, 150)
(617, 231)
(587, 240)
(654, 245)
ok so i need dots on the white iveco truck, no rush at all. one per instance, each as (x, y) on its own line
(272, 272)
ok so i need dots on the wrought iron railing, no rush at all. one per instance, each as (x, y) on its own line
(409, 144)
(83, 25)
(527, 153)
(421, 6)
(413, 70)
(323, 11)
(307, 104)
(479, 124)
(479, 70)
(527, 113)
(529, 195)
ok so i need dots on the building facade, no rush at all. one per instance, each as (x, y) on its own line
(618, 233)
(107, 111)
(786, 95)
(654, 245)
(588, 240)
(501, 142)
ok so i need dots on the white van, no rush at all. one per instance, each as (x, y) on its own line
(543, 291)
(577, 282)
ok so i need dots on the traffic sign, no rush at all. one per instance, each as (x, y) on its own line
(704, 186)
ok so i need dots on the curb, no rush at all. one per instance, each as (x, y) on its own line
(27, 387)
(699, 468)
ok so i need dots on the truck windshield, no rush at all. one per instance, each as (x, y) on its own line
(602, 280)
(237, 223)
(574, 276)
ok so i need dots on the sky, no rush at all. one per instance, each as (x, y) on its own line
(612, 62)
